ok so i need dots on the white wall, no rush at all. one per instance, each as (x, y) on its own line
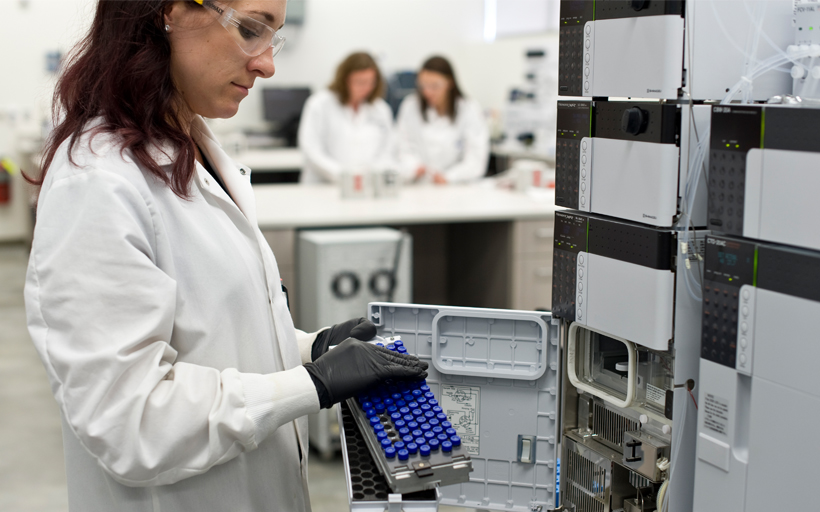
(400, 33)
(32, 28)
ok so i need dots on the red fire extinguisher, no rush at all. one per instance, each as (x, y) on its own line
(5, 184)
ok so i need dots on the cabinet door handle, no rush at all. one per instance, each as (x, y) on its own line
(543, 233)
(543, 272)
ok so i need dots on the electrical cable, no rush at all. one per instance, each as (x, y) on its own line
(396, 260)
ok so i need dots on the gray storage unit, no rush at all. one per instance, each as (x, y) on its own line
(496, 375)
(342, 270)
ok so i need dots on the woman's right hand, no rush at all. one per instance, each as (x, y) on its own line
(353, 366)
(420, 172)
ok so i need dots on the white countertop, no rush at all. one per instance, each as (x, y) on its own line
(271, 160)
(302, 206)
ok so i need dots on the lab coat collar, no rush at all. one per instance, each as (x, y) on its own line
(235, 177)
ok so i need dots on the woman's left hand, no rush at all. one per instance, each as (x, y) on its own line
(359, 328)
(439, 179)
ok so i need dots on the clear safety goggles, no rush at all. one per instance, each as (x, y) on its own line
(252, 36)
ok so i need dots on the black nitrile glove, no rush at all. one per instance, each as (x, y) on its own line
(353, 366)
(359, 328)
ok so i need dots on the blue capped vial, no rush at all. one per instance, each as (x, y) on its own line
(401, 403)
(412, 404)
(380, 344)
(424, 450)
(417, 393)
(425, 427)
(446, 424)
(429, 435)
(420, 441)
(428, 395)
(425, 388)
(380, 408)
(396, 396)
(425, 407)
(388, 402)
(378, 427)
(412, 425)
(374, 420)
(367, 405)
(404, 410)
(370, 412)
(389, 452)
(436, 409)
(421, 400)
(381, 434)
(434, 422)
(433, 402)
(400, 424)
(412, 447)
(408, 418)
(455, 440)
(434, 444)
(404, 431)
(437, 430)
(404, 454)
(398, 343)
(408, 397)
(446, 446)
(451, 432)
(441, 416)
(429, 415)
(417, 433)
(401, 350)
(376, 399)
(391, 347)
(396, 416)
(386, 442)
(391, 409)
(408, 438)
(417, 412)
(399, 445)
(443, 437)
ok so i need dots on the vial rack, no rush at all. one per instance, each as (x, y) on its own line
(413, 445)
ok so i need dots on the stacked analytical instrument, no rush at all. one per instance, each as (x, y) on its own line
(632, 162)
(761, 295)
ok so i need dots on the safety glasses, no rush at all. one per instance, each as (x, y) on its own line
(252, 36)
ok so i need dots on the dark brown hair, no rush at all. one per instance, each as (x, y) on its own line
(121, 72)
(442, 66)
(358, 61)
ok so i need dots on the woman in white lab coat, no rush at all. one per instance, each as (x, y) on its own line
(348, 127)
(151, 295)
(443, 136)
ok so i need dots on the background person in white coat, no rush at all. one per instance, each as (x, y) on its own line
(443, 136)
(348, 127)
(151, 295)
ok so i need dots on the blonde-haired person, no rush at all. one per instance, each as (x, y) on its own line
(443, 136)
(347, 126)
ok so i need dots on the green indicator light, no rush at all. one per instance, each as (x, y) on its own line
(574, 134)
(737, 145)
(811, 28)
(730, 279)
(728, 145)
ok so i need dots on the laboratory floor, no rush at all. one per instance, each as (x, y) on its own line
(32, 473)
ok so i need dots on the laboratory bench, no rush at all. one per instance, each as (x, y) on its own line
(473, 245)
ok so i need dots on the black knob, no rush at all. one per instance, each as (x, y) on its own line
(634, 121)
(639, 5)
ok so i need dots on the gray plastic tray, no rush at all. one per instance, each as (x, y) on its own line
(495, 373)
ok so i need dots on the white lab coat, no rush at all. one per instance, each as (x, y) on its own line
(166, 338)
(459, 149)
(335, 139)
